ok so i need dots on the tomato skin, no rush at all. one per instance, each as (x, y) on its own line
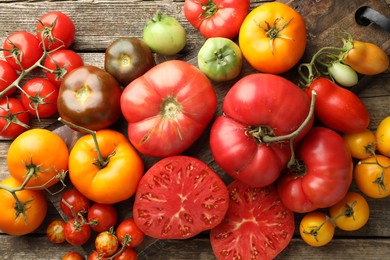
(245, 231)
(361, 144)
(78, 203)
(338, 108)
(106, 243)
(216, 18)
(267, 53)
(38, 148)
(55, 231)
(76, 233)
(61, 62)
(105, 185)
(14, 119)
(89, 97)
(127, 59)
(28, 46)
(7, 75)
(367, 58)
(372, 176)
(42, 102)
(127, 254)
(327, 176)
(358, 212)
(105, 215)
(343, 74)
(61, 33)
(312, 221)
(72, 256)
(35, 212)
(129, 227)
(236, 146)
(383, 136)
(168, 108)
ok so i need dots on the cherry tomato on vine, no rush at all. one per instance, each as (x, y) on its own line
(272, 37)
(59, 63)
(55, 231)
(8, 75)
(39, 97)
(216, 18)
(135, 236)
(77, 232)
(361, 144)
(372, 176)
(14, 118)
(56, 29)
(106, 244)
(104, 215)
(73, 202)
(343, 74)
(383, 136)
(38, 154)
(12, 219)
(22, 50)
(127, 254)
(72, 256)
(315, 229)
(351, 213)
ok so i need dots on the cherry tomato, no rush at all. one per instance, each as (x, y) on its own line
(12, 220)
(103, 181)
(8, 75)
(127, 254)
(128, 232)
(361, 144)
(77, 232)
(128, 58)
(59, 63)
(14, 119)
(104, 215)
(72, 256)
(383, 136)
(73, 202)
(55, 231)
(343, 74)
(315, 229)
(22, 50)
(106, 243)
(56, 29)
(216, 18)
(39, 97)
(272, 37)
(351, 213)
(89, 97)
(372, 176)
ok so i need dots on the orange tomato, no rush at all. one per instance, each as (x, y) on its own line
(365, 58)
(272, 37)
(315, 229)
(361, 144)
(112, 182)
(40, 153)
(372, 176)
(383, 136)
(15, 222)
(351, 213)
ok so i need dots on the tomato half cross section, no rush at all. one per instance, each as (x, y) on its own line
(178, 198)
(257, 224)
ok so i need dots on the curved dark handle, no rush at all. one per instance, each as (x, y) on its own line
(366, 15)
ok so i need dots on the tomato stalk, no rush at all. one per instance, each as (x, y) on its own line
(12, 118)
(209, 10)
(380, 180)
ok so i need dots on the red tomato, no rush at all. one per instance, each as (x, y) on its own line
(57, 30)
(39, 97)
(216, 18)
(338, 108)
(22, 47)
(104, 215)
(168, 108)
(76, 232)
(257, 225)
(323, 175)
(59, 63)
(73, 202)
(55, 231)
(127, 254)
(179, 197)
(7, 75)
(72, 256)
(238, 138)
(14, 119)
(128, 228)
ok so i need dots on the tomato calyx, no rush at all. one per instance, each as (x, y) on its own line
(260, 133)
(47, 33)
(209, 10)
(379, 181)
(170, 107)
(37, 100)
(314, 230)
(274, 31)
(12, 118)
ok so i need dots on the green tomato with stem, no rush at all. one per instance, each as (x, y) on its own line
(220, 59)
(343, 74)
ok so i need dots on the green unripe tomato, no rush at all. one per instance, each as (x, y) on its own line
(343, 74)
(164, 34)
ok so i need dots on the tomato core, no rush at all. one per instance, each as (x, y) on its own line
(258, 132)
(209, 10)
(125, 60)
(83, 93)
(170, 107)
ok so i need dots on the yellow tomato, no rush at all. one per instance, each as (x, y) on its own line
(316, 229)
(383, 136)
(361, 144)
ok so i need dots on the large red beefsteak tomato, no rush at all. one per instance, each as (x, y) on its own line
(168, 108)
(257, 107)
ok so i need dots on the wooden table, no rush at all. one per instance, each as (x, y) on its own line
(98, 22)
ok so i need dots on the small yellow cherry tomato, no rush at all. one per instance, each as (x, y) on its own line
(361, 144)
(316, 229)
(383, 136)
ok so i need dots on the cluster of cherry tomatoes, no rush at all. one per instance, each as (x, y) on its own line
(23, 97)
(87, 221)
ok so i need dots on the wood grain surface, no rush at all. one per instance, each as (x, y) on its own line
(99, 22)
